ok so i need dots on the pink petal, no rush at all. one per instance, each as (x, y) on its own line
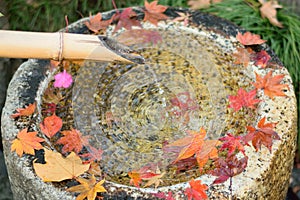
(63, 80)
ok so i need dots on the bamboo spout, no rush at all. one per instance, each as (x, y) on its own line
(68, 46)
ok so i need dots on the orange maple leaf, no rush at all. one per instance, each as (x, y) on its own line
(191, 144)
(209, 151)
(136, 177)
(264, 134)
(249, 38)
(268, 10)
(88, 188)
(242, 56)
(72, 140)
(154, 13)
(270, 85)
(59, 168)
(196, 190)
(26, 142)
(51, 125)
(29, 110)
(96, 24)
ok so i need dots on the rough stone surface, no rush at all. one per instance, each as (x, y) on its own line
(266, 176)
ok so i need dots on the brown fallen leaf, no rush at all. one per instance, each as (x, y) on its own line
(58, 168)
(268, 10)
(197, 4)
(242, 56)
(96, 23)
(88, 188)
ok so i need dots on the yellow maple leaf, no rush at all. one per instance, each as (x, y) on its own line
(26, 142)
(88, 188)
(154, 180)
(268, 10)
(58, 168)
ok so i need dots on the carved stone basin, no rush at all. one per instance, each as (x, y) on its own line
(133, 111)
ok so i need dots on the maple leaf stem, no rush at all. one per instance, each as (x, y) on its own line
(115, 6)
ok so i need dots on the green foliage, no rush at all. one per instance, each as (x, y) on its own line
(45, 15)
(284, 41)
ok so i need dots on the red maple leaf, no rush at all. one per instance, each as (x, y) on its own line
(233, 143)
(51, 125)
(243, 99)
(139, 36)
(92, 155)
(249, 38)
(191, 144)
(162, 195)
(242, 56)
(96, 24)
(262, 58)
(228, 168)
(154, 12)
(72, 140)
(136, 177)
(28, 110)
(196, 190)
(126, 19)
(270, 85)
(263, 135)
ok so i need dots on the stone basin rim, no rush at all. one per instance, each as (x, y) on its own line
(7, 113)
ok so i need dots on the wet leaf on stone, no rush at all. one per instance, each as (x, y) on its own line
(162, 195)
(242, 56)
(249, 38)
(233, 143)
(51, 125)
(59, 168)
(28, 110)
(88, 188)
(271, 85)
(26, 142)
(228, 167)
(73, 140)
(126, 19)
(136, 177)
(96, 23)
(243, 99)
(154, 12)
(196, 190)
(262, 58)
(263, 135)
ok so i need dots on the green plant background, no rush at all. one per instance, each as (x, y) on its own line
(46, 15)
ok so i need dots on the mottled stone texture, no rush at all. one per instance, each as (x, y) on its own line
(266, 176)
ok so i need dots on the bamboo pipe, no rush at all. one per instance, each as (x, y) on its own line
(60, 45)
